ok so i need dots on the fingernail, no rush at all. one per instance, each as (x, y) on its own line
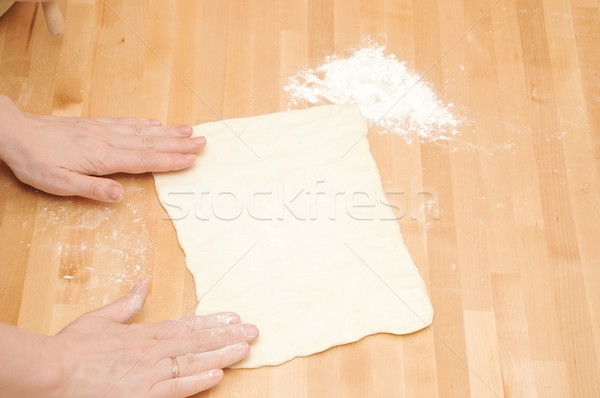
(155, 122)
(115, 193)
(138, 287)
(215, 373)
(199, 140)
(185, 129)
(189, 157)
(249, 330)
(241, 347)
(230, 319)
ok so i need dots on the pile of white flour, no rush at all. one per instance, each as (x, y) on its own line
(387, 92)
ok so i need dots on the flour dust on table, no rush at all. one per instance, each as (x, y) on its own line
(389, 94)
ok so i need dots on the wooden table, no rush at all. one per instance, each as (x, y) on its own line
(512, 263)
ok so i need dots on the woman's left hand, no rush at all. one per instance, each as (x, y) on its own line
(65, 156)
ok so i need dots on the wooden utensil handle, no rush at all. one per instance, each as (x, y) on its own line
(54, 18)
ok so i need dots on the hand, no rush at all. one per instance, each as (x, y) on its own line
(63, 156)
(100, 356)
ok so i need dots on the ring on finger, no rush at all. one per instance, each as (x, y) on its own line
(175, 367)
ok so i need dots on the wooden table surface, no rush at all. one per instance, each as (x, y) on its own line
(512, 263)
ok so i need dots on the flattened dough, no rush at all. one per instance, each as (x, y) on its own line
(283, 220)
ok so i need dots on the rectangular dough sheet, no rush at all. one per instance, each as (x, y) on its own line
(284, 221)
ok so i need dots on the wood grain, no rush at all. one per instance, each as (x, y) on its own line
(512, 262)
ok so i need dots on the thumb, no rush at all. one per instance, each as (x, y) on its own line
(126, 307)
(97, 188)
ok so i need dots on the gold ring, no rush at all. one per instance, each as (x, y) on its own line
(175, 368)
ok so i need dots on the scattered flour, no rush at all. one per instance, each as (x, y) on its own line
(100, 254)
(389, 94)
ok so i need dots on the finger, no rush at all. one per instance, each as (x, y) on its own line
(103, 120)
(67, 182)
(183, 130)
(158, 144)
(136, 162)
(124, 126)
(192, 364)
(177, 327)
(186, 386)
(124, 308)
(206, 340)
(129, 121)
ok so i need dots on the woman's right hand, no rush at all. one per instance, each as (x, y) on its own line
(98, 355)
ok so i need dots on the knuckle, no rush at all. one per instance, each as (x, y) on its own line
(95, 187)
(137, 130)
(212, 319)
(182, 142)
(197, 341)
(191, 364)
(145, 157)
(221, 337)
(189, 324)
(180, 325)
(149, 142)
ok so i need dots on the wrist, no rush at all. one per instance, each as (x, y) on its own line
(29, 364)
(8, 114)
(51, 380)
